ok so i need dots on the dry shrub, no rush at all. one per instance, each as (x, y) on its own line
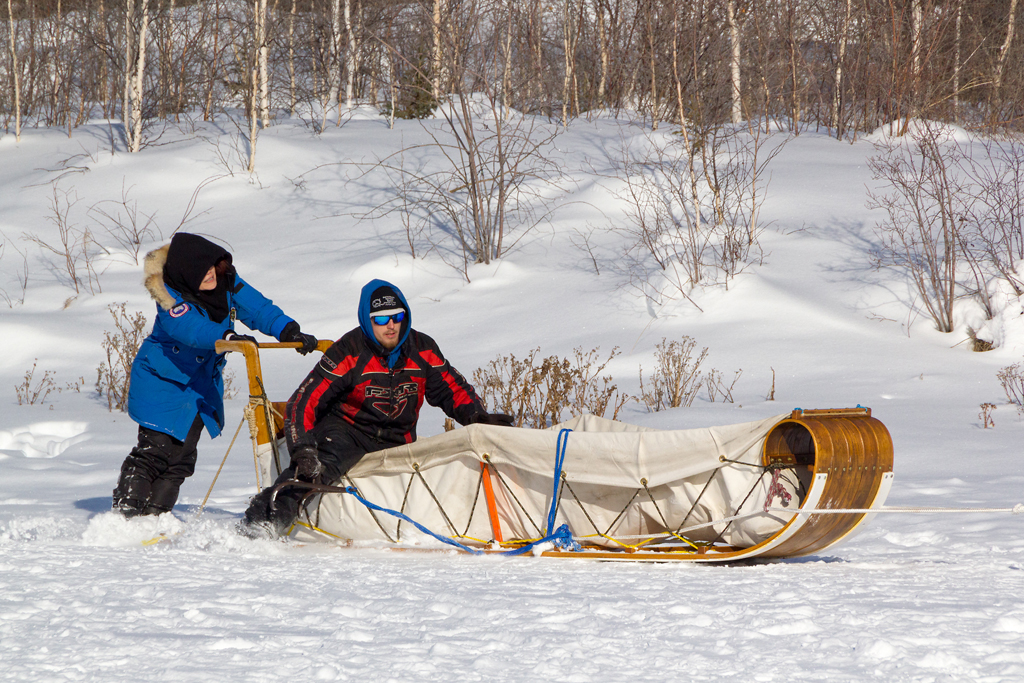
(978, 344)
(31, 391)
(1012, 380)
(230, 390)
(676, 378)
(986, 415)
(543, 392)
(716, 387)
(121, 346)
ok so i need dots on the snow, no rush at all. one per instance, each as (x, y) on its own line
(84, 596)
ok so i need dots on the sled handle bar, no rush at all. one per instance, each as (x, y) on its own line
(223, 346)
(257, 395)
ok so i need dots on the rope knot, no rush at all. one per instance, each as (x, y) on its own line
(562, 538)
(777, 489)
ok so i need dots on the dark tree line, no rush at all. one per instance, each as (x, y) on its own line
(849, 65)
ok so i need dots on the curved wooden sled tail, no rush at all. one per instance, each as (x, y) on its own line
(849, 457)
(845, 455)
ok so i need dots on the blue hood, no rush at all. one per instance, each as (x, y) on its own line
(367, 327)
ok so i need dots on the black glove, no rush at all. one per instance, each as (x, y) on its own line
(292, 333)
(307, 465)
(231, 335)
(498, 419)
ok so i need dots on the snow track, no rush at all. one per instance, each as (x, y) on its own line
(41, 440)
(263, 611)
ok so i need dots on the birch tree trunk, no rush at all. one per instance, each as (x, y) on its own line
(506, 75)
(796, 107)
(350, 62)
(602, 35)
(675, 67)
(568, 46)
(135, 70)
(14, 71)
(106, 97)
(259, 90)
(837, 96)
(54, 63)
(392, 80)
(435, 77)
(129, 42)
(334, 78)
(163, 48)
(653, 66)
(214, 63)
(956, 60)
(253, 118)
(536, 32)
(180, 81)
(262, 67)
(291, 58)
(735, 81)
(1004, 50)
(137, 82)
(917, 28)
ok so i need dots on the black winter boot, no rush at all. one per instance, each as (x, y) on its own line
(262, 522)
(131, 493)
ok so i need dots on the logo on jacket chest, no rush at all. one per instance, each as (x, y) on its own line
(392, 401)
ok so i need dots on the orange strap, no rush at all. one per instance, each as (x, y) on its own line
(492, 509)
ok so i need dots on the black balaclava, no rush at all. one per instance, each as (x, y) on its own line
(189, 258)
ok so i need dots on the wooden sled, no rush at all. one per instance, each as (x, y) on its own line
(843, 457)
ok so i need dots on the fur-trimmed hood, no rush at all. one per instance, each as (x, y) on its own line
(154, 277)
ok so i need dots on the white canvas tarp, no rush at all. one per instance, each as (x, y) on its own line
(622, 482)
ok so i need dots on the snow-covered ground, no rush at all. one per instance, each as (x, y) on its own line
(912, 598)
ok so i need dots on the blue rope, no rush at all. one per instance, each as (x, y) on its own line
(561, 537)
(560, 445)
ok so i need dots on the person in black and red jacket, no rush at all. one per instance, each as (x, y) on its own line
(364, 395)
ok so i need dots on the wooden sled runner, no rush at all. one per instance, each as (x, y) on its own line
(629, 493)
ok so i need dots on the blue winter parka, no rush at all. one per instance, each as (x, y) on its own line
(177, 374)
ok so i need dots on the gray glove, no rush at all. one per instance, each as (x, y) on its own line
(292, 333)
(307, 464)
(499, 419)
(231, 335)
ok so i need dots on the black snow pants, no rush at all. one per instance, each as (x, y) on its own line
(154, 471)
(339, 447)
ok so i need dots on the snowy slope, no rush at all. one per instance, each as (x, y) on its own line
(912, 598)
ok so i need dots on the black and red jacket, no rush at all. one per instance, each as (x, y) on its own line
(352, 382)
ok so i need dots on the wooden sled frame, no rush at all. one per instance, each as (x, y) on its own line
(845, 454)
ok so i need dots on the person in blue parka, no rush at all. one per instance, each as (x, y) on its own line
(176, 386)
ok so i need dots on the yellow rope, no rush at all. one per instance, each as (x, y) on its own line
(250, 416)
(313, 527)
(618, 542)
(224, 460)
